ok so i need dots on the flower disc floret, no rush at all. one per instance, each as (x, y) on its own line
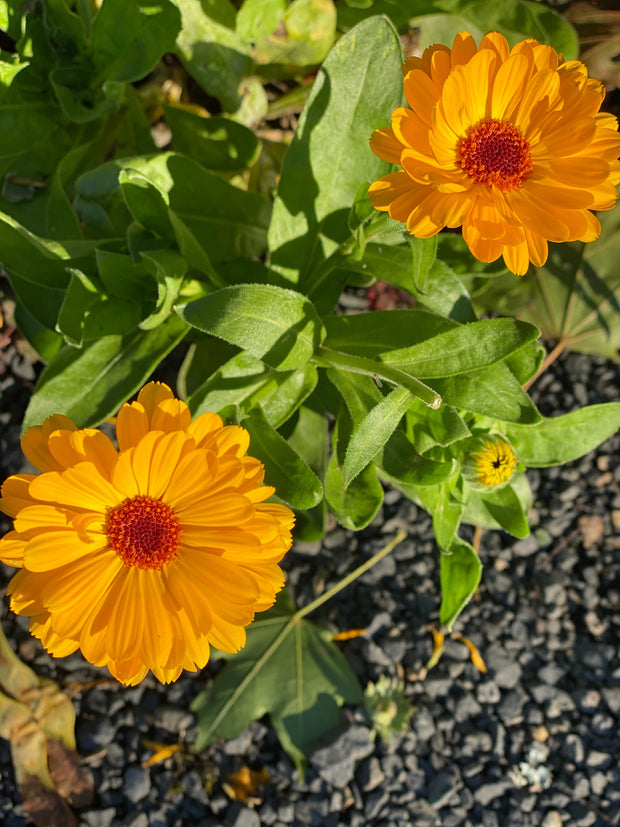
(145, 555)
(508, 144)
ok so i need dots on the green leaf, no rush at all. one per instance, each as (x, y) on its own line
(125, 278)
(560, 439)
(360, 392)
(525, 362)
(447, 513)
(505, 508)
(445, 294)
(211, 50)
(477, 511)
(245, 380)
(294, 481)
(217, 143)
(424, 251)
(459, 573)
(302, 40)
(370, 334)
(371, 434)
(398, 460)
(466, 348)
(89, 385)
(358, 84)
(35, 259)
(129, 37)
(231, 221)
(353, 506)
(258, 18)
(310, 438)
(492, 391)
(289, 669)
(45, 341)
(426, 427)
(279, 326)
(169, 270)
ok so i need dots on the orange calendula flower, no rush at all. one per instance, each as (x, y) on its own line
(143, 557)
(509, 144)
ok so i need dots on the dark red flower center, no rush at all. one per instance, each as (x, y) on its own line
(144, 532)
(495, 153)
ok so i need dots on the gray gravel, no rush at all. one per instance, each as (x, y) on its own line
(535, 741)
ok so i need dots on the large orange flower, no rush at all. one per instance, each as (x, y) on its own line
(510, 144)
(143, 556)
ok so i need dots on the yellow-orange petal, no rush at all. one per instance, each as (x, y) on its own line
(15, 494)
(12, 549)
(81, 488)
(385, 145)
(34, 442)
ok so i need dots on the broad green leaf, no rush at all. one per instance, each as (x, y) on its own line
(168, 269)
(574, 299)
(525, 362)
(560, 439)
(89, 385)
(217, 143)
(294, 481)
(303, 39)
(492, 391)
(424, 252)
(356, 505)
(211, 50)
(459, 572)
(310, 438)
(289, 669)
(466, 348)
(146, 202)
(371, 434)
(370, 334)
(42, 303)
(358, 84)
(360, 392)
(447, 513)
(384, 262)
(43, 339)
(505, 508)
(80, 296)
(129, 37)
(258, 18)
(125, 278)
(35, 259)
(477, 511)
(444, 293)
(245, 380)
(231, 221)
(426, 427)
(279, 326)
(398, 460)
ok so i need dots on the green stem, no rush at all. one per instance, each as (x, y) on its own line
(351, 577)
(326, 357)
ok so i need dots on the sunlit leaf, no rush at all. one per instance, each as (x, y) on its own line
(292, 478)
(561, 439)
(359, 82)
(91, 384)
(279, 326)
